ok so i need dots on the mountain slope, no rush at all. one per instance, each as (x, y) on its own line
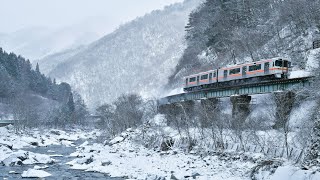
(52, 61)
(138, 57)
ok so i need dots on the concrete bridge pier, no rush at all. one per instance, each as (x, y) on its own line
(284, 102)
(240, 109)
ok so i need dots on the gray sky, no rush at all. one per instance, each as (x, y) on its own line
(18, 14)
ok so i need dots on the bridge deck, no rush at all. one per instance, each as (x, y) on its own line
(6, 122)
(245, 89)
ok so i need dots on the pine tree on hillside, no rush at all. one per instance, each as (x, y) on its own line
(313, 154)
(37, 68)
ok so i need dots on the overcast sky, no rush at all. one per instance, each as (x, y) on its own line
(18, 14)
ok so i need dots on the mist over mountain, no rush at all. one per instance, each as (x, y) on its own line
(50, 62)
(137, 57)
(37, 42)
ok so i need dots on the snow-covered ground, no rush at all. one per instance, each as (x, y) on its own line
(131, 155)
(299, 74)
(128, 156)
(122, 157)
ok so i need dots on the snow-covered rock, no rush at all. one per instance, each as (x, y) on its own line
(116, 140)
(24, 157)
(40, 167)
(33, 173)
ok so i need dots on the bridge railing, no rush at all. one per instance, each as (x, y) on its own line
(247, 89)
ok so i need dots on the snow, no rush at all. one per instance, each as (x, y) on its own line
(132, 159)
(33, 173)
(40, 167)
(293, 173)
(137, 162)
(312, 59)
(299, 74)
(11, 143)
(127, 155)
(174, 92)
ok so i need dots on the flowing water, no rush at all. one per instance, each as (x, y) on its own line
(59, 169)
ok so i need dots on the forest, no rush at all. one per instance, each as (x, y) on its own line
(34, 99)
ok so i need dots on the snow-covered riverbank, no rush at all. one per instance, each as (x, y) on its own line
(124, 156)
(129, 157)
(137, 162)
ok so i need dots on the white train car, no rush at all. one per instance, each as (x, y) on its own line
(276, 67)
(269, 68)
(203, 78)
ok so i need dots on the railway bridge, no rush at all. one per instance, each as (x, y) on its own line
(6, 122)
(240, 95)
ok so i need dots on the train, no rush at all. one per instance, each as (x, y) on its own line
(263, 70)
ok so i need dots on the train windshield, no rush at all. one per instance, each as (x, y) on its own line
(278, 63)
(287, 64)
(282, 63)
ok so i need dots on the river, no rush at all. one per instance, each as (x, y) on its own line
(59, 169)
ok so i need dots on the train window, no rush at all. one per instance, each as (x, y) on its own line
(186, 81)
(234, 71)
(252, 68)
(214, 74)
(225, 73)
(204, 77)
(210, 76)
(255, 67)
(258, 66)
(278, 63)
(193, 79)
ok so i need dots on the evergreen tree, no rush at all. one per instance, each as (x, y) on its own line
(313, 154)
(37, 68)
(81, 110)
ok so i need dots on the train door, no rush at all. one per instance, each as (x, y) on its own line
(187, 80)
(244, 71)
(266, 67)
(225, 74)
(285, 66)
(210, 78)
(198, 79)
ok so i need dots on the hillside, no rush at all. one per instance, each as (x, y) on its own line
(137, 57)
(48, 63)
(30, 96)
(234, 31)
